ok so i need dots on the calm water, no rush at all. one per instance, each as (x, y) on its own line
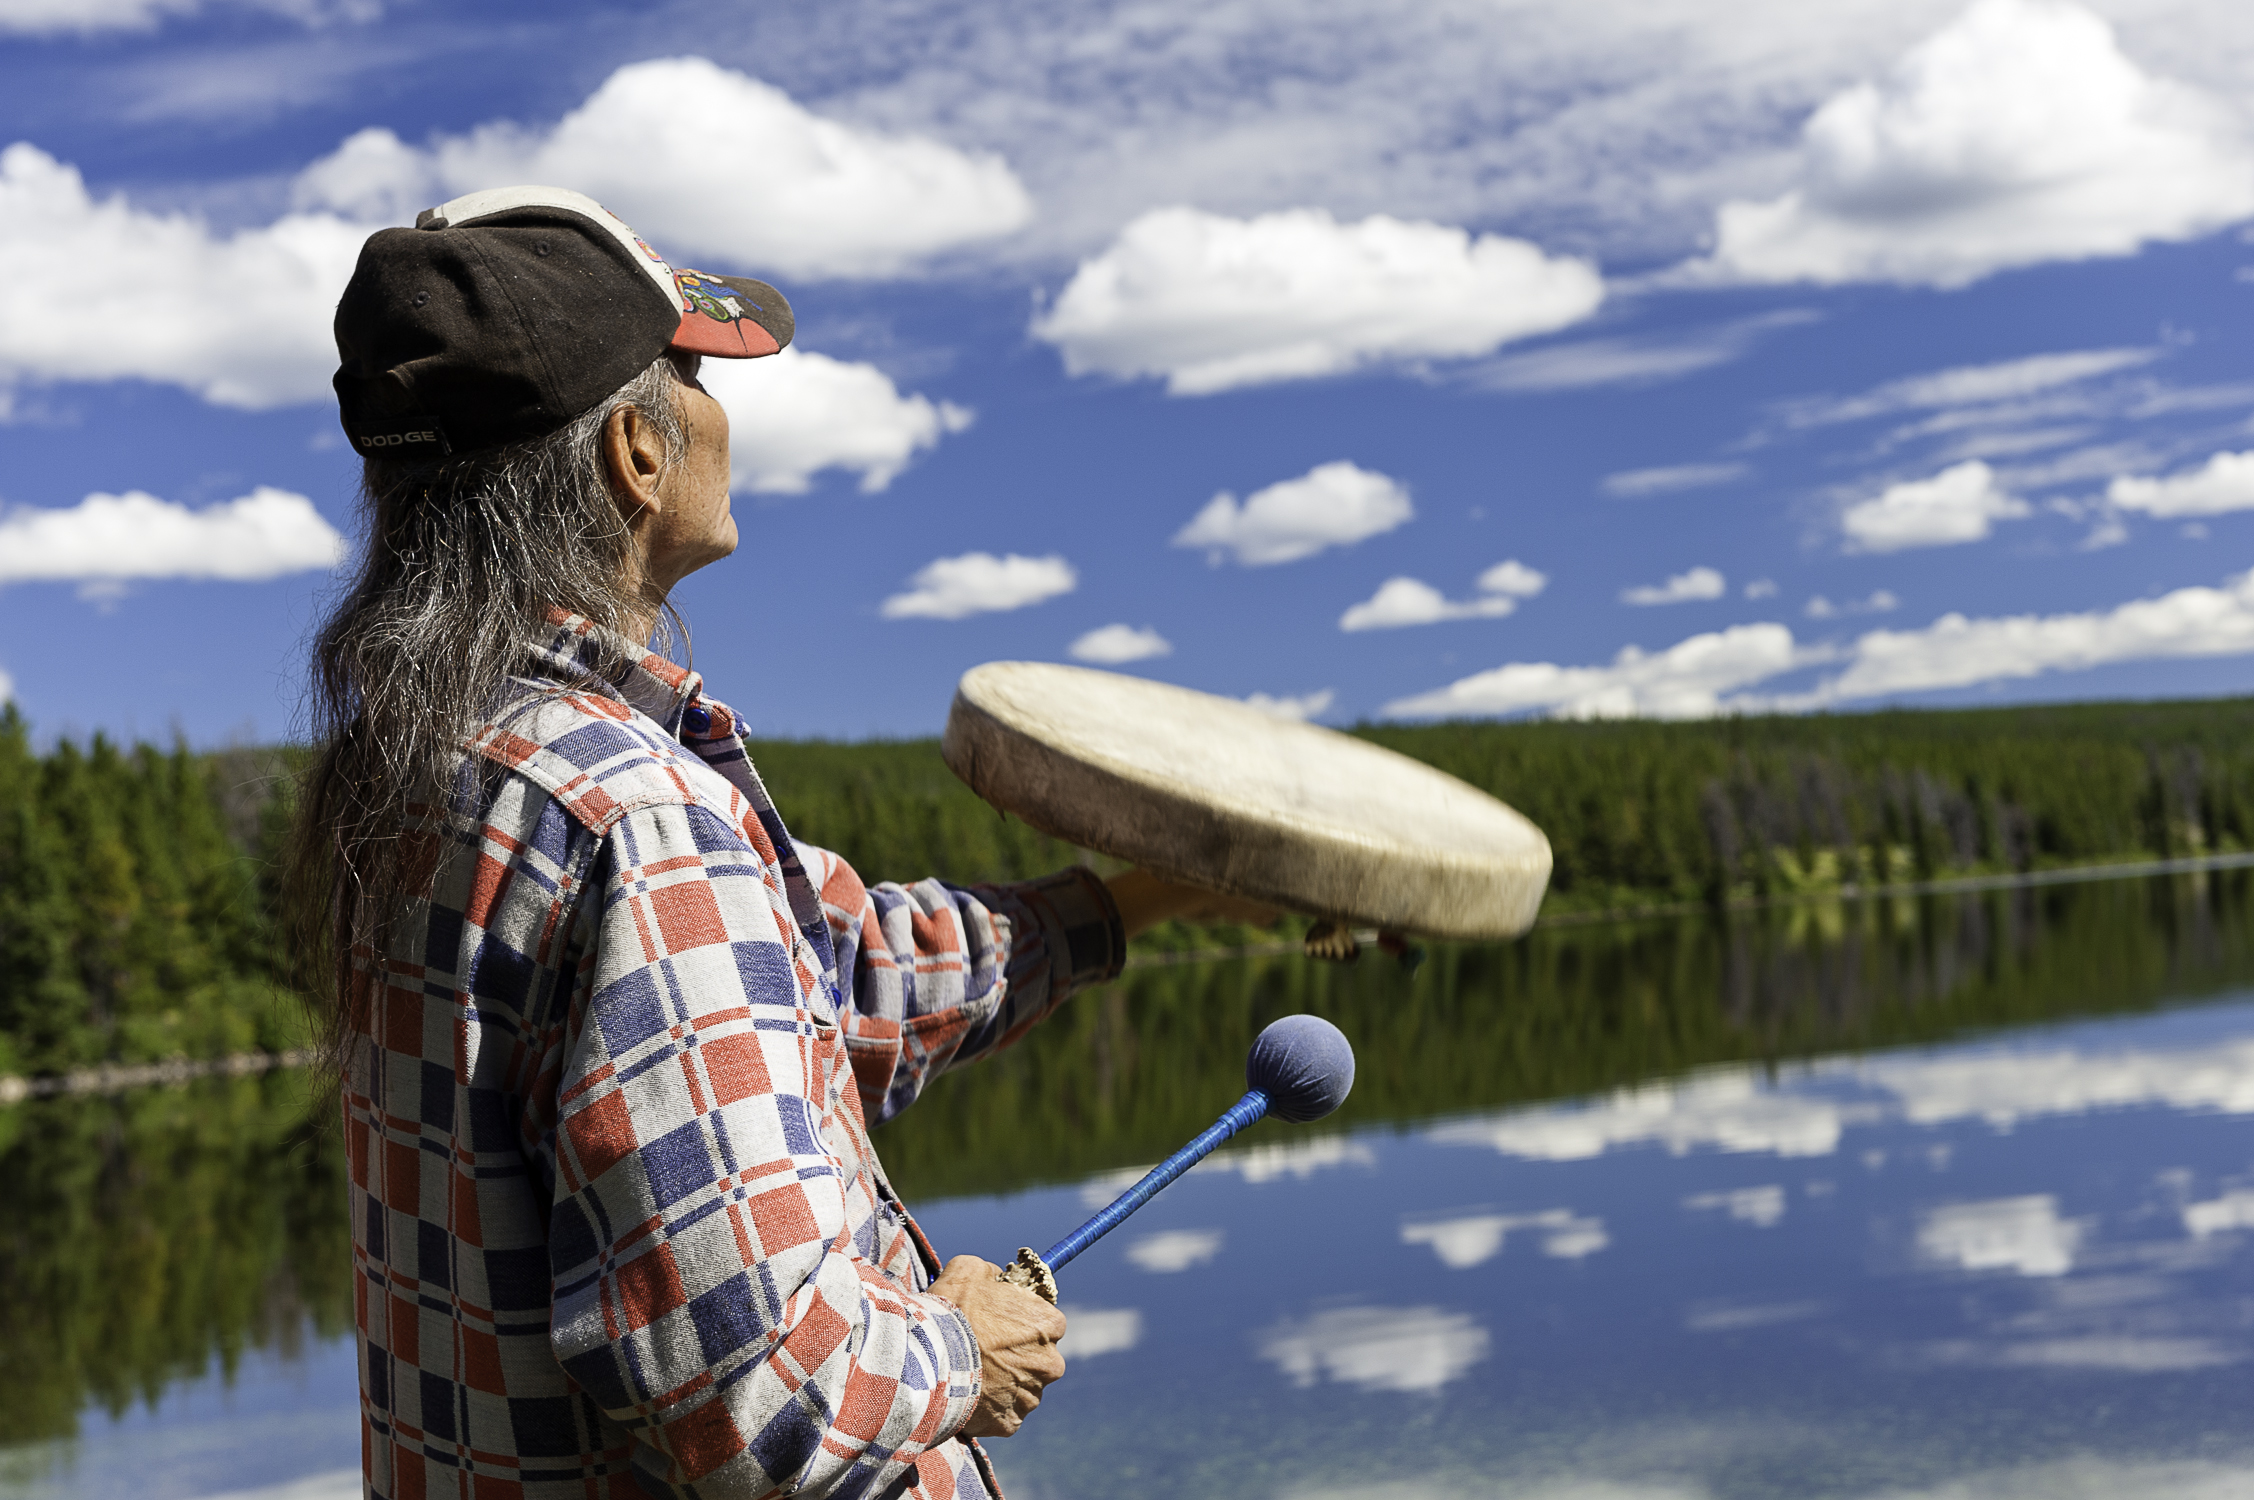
(1949, 1199)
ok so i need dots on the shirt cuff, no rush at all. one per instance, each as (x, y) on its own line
(959, 1406)
(1079, 922)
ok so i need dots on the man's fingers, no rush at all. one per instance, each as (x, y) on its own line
(960, 1267)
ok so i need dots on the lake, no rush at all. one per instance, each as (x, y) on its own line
(1948, 1197)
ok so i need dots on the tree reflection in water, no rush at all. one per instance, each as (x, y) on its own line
(152, 1237)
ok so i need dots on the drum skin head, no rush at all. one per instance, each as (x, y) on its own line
(1214, 793)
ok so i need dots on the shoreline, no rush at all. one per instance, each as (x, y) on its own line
(116, 1077)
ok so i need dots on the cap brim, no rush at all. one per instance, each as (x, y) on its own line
(730, 317)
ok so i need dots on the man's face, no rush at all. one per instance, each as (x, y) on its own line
(695, 526)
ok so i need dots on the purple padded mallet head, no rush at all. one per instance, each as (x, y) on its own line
(1304, 1065)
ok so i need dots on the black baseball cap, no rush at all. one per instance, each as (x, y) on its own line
(504, 314)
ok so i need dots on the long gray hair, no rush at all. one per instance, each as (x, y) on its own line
(464, 562)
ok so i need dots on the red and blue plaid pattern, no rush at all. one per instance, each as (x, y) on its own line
(618, 1224)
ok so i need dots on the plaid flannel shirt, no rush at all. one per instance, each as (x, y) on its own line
(618, 1225)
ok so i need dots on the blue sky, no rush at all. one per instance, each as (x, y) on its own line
(1391, 359)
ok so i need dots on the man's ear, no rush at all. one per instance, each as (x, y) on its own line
(633, 459)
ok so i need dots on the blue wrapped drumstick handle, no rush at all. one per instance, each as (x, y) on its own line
(1238, 1115)
(1299, 1069)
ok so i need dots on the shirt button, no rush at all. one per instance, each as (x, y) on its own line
(697, 719)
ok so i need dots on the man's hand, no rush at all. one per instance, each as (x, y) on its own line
(1145, 900)
(1017, 1338)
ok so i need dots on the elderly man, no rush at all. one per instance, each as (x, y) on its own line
(609, 1040)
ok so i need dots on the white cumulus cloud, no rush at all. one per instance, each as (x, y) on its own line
(1704, 674)
(1762, 1207)
(2233, 1210)
(1175, 1249)
(1212, 303)
(240, 319)
(1331, 505)
(1956, 505)
(1745, 1110)
(264, 534)
(2019, 133)
(1090, 1331)
(1114, 644)
(1302, 707)
(1377, 1348)
(794, 414)
(1510, 576)
(1955, 651)
(1730, 1110)
(1686, 681)
(1684, 588)
(832, 199)
(1475, 1239)
(949, 588)
(2024, 1235)
(2224, 483)
(1409, 601)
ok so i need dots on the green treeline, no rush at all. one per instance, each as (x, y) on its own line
(1638, 811)
(134, 901)
(136, 886)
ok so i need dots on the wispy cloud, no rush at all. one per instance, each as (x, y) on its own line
(1212, 303)
(952, 588)
(1331, 505)
(1636, 483)
(57, 17)
(1587, 363)
(1879, 602)
(1969, 385)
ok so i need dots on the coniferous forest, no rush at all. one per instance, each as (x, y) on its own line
(137, 888)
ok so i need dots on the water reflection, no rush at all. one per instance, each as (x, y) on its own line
(1896, 1200)
(1126, 1076)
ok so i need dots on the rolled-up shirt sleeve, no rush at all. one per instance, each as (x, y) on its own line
(937, 975)
(708, 1291)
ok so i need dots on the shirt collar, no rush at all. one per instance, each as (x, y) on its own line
(580, 650)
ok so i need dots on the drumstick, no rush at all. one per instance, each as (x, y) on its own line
(1299, 1069)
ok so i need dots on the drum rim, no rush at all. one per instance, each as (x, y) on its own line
(1424, 888)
